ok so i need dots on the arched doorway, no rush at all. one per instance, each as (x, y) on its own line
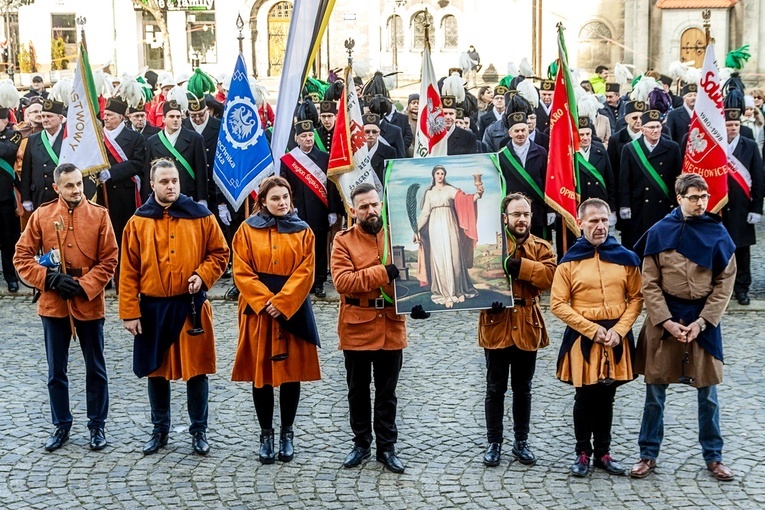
(693, 46)
(278, 28)
(594, 46)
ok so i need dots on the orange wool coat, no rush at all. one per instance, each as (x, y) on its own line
(358, 272)
(265, 250)
(158, 258)
(89, 245)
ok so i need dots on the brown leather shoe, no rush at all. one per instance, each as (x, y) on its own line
(642, 468)
(720, 471)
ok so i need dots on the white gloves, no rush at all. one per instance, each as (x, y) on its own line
(224, 214)
(625, 213)
(753, 218)
(332, 217)
(28, 206)
(612, 219)
(203, 202)
(550, 218)
(105, 175)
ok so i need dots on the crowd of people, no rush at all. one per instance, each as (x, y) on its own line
(156, 225)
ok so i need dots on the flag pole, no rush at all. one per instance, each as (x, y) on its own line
(240, 38)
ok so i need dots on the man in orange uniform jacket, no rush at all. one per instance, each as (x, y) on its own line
(172, 252)
(90, 252)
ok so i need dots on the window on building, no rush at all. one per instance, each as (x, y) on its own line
(201, 42)
(451, 34)
(153, 53)
(395, 26)
(418, 27)
(594, 45)
(63, 25)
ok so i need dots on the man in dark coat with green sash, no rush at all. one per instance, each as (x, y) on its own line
(649, 166)
(41, 157)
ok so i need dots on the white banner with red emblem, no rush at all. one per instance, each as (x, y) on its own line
(430, 137)
(707, 151)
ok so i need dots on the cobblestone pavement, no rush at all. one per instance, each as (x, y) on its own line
(441, 432)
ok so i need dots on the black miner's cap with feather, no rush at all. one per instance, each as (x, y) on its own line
(334, 92)
(307, 111)
(379, 105)
(375, 86)
(734, 93)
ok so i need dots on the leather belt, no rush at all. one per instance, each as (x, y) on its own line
(524, 302)
(79, 272)
(377, 303)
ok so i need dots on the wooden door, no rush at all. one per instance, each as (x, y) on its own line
(278, 28)
(693, 46)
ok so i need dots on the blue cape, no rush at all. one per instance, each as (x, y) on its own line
(702, 240)
(287, 224)
(183, 208)
(610, 250)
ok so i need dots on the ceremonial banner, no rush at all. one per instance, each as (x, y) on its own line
(560, 183)
(83, 145)
(242, 156)
(307, 25)
(707, 151)
(446, 232)
(430, 137)
(349, 160)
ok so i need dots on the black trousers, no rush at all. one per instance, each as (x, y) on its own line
(10, 231)
(197, 391)
(519, 366)
(743, 270)
(263, 398)
(359, 366)
(320, 262)
(593, 414)
(90, 336)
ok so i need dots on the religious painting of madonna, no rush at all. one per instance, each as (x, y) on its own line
(446, 235)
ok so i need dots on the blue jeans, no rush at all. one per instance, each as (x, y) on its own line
(652, 427)
(197, 390)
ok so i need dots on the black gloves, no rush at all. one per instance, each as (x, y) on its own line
(66, 286)
(52, 279)
(513, 266)
(496, 307)
(76, 291)
(392, 271)
(419, 313)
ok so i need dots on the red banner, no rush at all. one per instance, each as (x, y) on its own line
(340, 155)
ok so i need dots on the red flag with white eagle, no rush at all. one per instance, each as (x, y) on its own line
(349, 160)
(430, 138)
(707, 151)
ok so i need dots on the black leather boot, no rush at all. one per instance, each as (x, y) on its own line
(267, 454)
(286, 450)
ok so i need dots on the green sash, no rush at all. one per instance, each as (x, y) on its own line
(648, 169)
(591, 170)
(176, 154)
(531, 184)
(46, 143)
(8, 168)
(318, 142)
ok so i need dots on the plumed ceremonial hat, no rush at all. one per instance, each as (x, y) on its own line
(689, 88)
(634, 106)
(650, 116)
(448, 102)
(171, 105)
(613, 87)
(732, 114)
(114, 104)
(371, 118)
(547, 85)
(584, 123)
(303, 126)
(515, 118)
(52, 106)
(328, 107)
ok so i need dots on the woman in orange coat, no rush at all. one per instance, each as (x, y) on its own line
(278, 340)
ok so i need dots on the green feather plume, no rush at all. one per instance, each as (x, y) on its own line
(314, 86)
(738, 57)
(505, 82)
(552, 70)
(148, 95)
(200, 83)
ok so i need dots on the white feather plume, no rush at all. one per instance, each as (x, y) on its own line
(61, 91)
(692, 75)
(677, 70)
(360, 69)
(390, 82)
(512, 70)
(529, 92)
(259, 92)
(525, 68)
(103, 83)
(588, 106)
(167, 79)
(465, 62)
(643, 87)
(131, 91)
(453, 86)
(9, 96)
(725, 73)
(179, 95)
(622, 73)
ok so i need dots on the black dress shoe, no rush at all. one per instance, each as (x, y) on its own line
(57, 440)
(227, 273)
(319, 291)
(266, 455)
(741, 297)
(200, 444)
(523, 453)
(581, 467)
(358, 454)
(608, 464)
(286, 449)
(97, 439)
(13, 286)
(232, 294)
(493, 454)
(157, 441)
(391, 461)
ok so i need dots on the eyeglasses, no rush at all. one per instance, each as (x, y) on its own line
(758, 97)
(695, 198)
(651, 128)
(372, 131)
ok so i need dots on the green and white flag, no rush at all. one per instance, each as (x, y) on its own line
(83, 145)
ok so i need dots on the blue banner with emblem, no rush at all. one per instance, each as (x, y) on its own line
(242, 157)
